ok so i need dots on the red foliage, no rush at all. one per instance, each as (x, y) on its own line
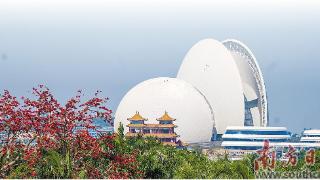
(124, 167)
(88, 148)
(42, 123)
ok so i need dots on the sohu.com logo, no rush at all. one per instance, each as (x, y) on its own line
(305, 174)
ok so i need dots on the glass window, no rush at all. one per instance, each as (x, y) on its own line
(257, 132)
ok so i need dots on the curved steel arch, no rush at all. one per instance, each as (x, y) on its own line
(240, 48)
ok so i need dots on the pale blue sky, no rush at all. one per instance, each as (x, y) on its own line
(113, 45)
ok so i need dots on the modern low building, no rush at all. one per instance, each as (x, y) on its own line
(239, 141)
(163, 131)
(311, 136)
(252, 138)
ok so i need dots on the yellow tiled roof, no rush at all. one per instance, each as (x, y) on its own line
(136, 125)
(166, 117)
(152, 125)
(161, 125)
(137, 117)
(153, 135)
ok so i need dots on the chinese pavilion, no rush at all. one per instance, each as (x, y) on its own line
(164, 131)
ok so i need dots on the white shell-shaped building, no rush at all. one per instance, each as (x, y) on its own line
(228, 74)
(219, 84)
(210, 67)
(193, 114)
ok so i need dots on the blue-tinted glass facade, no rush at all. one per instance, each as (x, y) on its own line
(255, 140)
(254, 132)
(311, 136)
(254, 135)
(244, 147)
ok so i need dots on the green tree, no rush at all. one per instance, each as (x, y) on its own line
(51, 165)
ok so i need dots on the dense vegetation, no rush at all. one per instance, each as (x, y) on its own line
(133, 158)
(158, 161)
(50, 148)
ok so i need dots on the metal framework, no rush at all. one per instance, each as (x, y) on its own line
(248, 120)
(241, 49)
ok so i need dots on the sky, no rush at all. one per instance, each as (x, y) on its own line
(113, 45)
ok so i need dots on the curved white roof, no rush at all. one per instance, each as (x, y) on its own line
(252, 80)
(309, 139)
(312, 132)
(180, 99)
(210, 67)
(254, 136)
(271, 144)
(256, 128)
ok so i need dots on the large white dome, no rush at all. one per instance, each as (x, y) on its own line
(180, 99)
(210, 67)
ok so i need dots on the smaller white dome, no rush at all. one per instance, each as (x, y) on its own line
(193, 114)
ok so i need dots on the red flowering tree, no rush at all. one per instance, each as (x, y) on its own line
(39, 127)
